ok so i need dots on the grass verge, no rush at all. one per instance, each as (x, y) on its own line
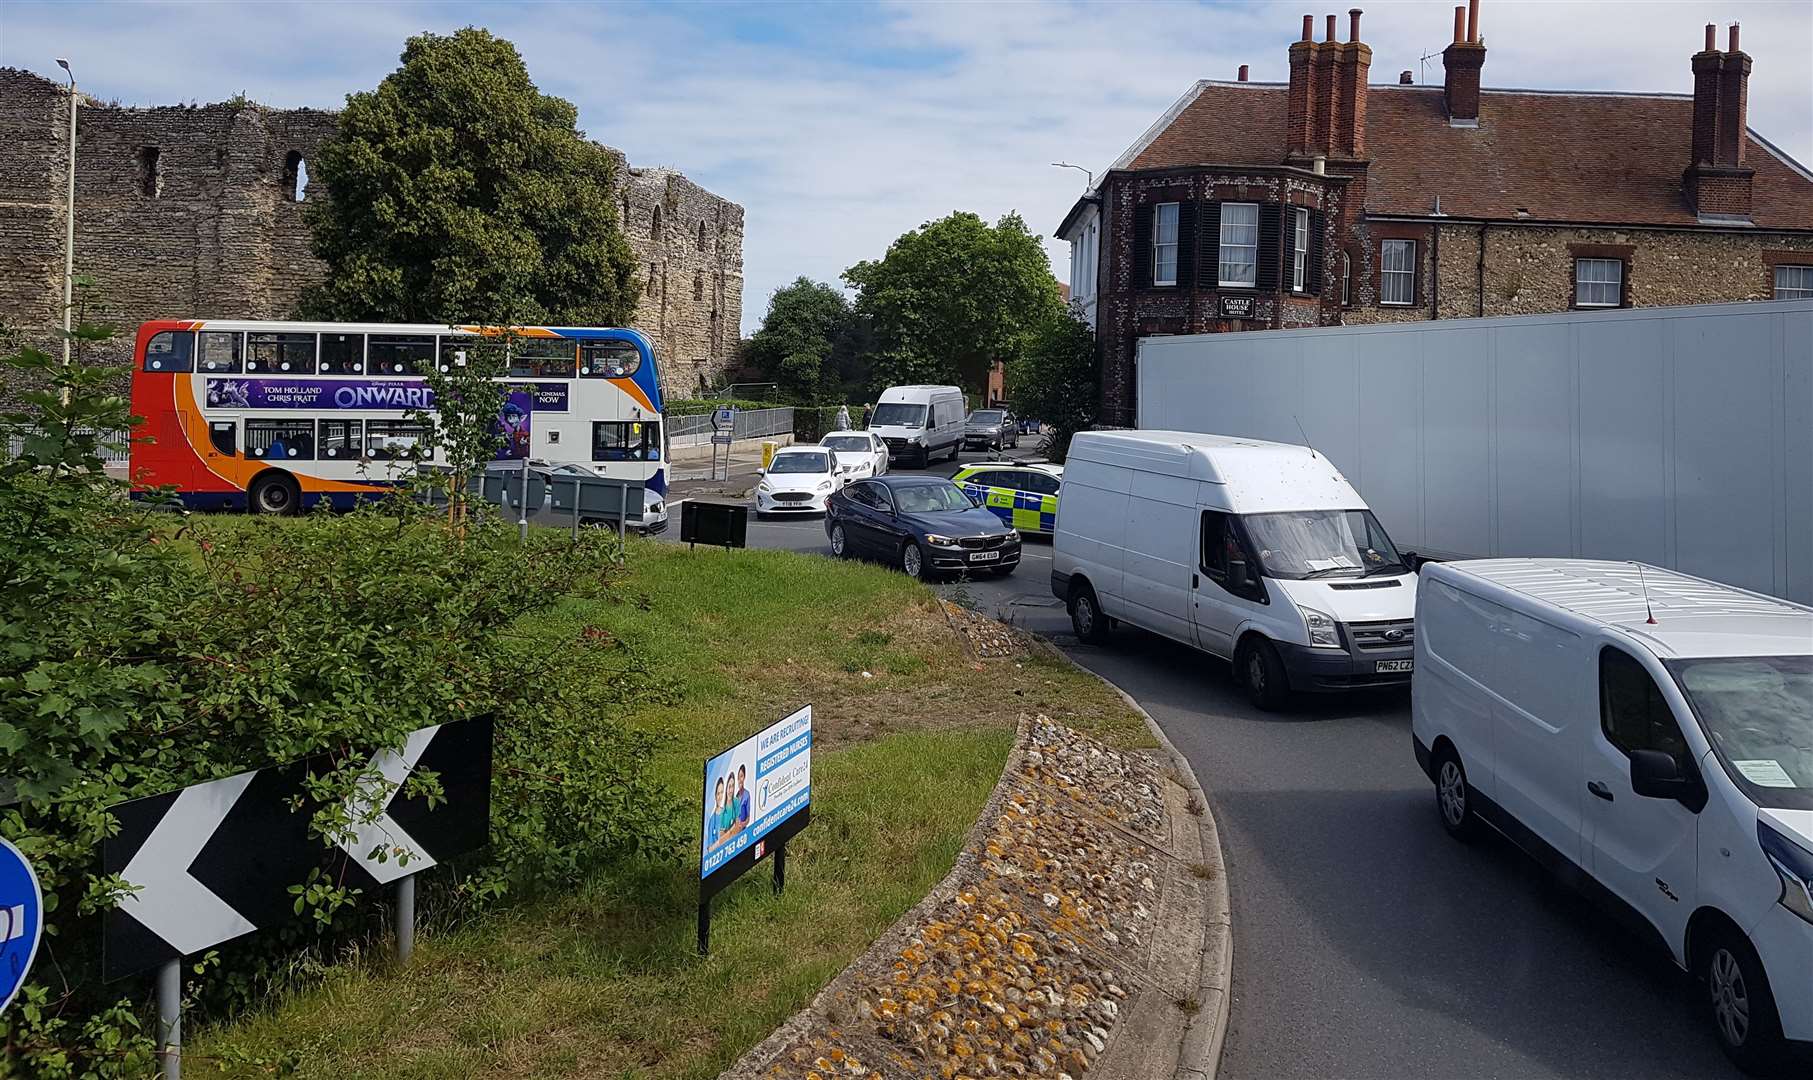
(911, 732)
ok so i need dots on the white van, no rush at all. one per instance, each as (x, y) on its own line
(1255, 551)
(920, 423)
(1649, 737)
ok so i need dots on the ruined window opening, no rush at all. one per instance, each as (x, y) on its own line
(698, 286)
(654, 229)
(652, 274)
(701, 234)
(150, 179)
(624, 224)
(295, 176)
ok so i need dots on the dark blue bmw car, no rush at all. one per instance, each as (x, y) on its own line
(925, 525)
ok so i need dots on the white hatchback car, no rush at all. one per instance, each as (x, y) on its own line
(860, 454)
(797, 481)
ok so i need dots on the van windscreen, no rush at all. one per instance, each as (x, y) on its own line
(1757, 712)
(898, 414)
(1322, 543)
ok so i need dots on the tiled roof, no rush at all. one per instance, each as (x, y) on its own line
(1612, 159)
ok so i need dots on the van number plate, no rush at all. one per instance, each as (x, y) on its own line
(1384, 666)
(984, 556)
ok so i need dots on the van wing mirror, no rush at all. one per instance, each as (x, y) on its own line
(1655, 775)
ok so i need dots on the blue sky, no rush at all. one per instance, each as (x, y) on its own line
(840, 125)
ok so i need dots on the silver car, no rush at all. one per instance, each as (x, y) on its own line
(993, 429)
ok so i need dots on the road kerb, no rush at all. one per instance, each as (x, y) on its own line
(1199, 1050)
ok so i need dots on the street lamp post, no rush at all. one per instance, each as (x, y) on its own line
(69, 220)
(1078, 168)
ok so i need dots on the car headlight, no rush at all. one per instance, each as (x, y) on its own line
(657, 508)
(913, 441)
(825, 485)
(1322, 632)
(940, 541)
(1794, 865)
(763, 486)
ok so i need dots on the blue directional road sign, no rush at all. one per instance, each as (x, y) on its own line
(21, 920)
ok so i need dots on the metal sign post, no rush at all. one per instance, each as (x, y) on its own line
(723, 432)
(170, 1018)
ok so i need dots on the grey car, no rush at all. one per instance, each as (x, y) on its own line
(995, 429)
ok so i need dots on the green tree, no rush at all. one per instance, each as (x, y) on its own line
(811, 343)
(456, 192)
(1056, 380)
(953, 296)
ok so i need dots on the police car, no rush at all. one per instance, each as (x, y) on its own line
(1022, 495)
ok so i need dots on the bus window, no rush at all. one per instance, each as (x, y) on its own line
(293, 353)
(172, 350)
(388, 440)
(342, 354)
(221, 351)
(459, 351)
(542, 358)
(400, 354)
(625, 441)
(608, 359)
(224, 435)
(292, 440)
(342, 439)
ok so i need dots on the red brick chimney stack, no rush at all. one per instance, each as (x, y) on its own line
(1326, 105)
(1298, 124)
(1462, 60)
(1243, 69)
(1734, 99)
(1717, 182)
(1347, 137)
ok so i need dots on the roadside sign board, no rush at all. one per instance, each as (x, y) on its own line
(721, 438)
(21, 920)
(214, 861)
(724, 419)
(757, 794)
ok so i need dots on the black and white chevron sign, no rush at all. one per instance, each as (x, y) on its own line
(215, 861)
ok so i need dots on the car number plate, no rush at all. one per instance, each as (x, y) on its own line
(984, 556)
(1384, 666)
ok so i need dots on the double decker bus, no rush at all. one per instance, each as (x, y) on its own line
(275, 417)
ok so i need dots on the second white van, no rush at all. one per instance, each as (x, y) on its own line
(1648, 737)
(920, 423)
(1256, 551)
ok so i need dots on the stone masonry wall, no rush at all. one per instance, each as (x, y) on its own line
(1529, 270)
(187, 211)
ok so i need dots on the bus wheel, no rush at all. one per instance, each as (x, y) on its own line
(275, 493)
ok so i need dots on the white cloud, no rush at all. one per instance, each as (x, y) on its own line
(839, 129)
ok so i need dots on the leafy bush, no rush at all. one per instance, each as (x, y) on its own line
(701, 406)
(141, 652)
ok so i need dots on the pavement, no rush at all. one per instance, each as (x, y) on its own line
(1370, 944)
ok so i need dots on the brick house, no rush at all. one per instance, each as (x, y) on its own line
(1326, 201)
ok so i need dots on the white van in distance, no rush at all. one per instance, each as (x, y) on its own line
(1648, 736)
(920, 423)
(1256, 551)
